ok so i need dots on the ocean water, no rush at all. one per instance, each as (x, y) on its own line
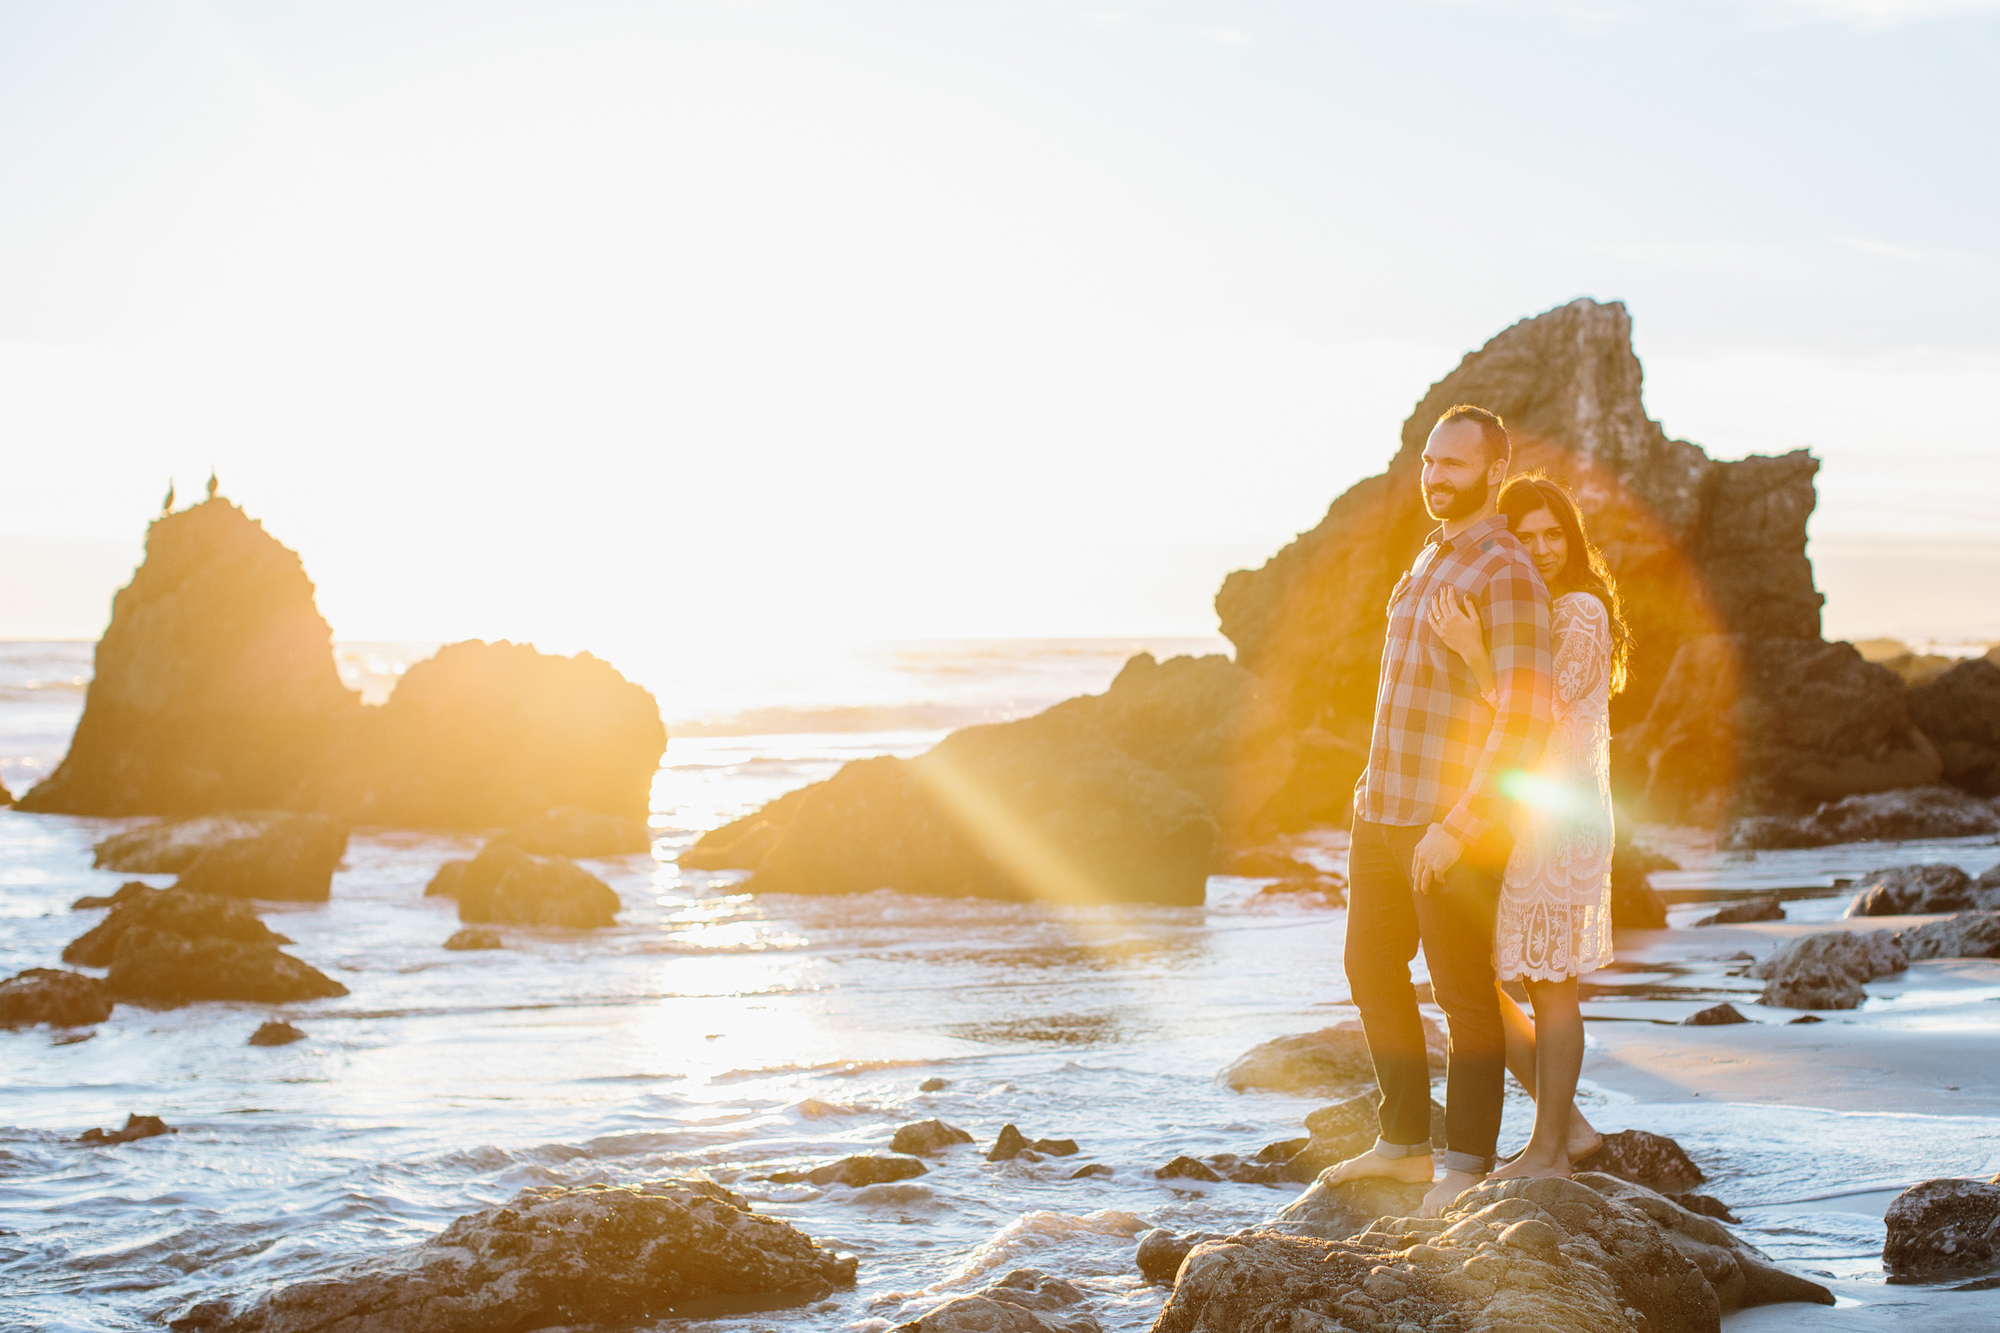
(734, 1036)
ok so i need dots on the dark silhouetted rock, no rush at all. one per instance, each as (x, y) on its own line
(1967, 935)
(136, 1127)
(157, 968)
(1697, 545)
(1025, 1301)
(507, 886)
(573, 831)
(492, 735)
(592, 1254)
(293, 860)
(922, 1137)
(1713, 1016)
(1022, 810)
(214, 687)
(1634, 903)
(1187, 1168)
(1814, 967)
(53, 996)
(1890, 816)
(1772, 725)
(473, 938)
(858, 1170)
(1921, 890)
(1765, 907)
(176, 912)
(1943, 1228)
(130, 889)
(276, 1032)
(1652, 1160)
(1959, 710)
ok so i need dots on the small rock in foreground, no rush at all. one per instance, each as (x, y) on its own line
(1763, 908)
(1714, 1015)
(1652, 1160)
(1160, 1251)
(1012, 1143)
(1025, 1301)
(136, 1127)
(53, 996)
(277, 1032)
(922, 1137)
(856, 1171)
(933, 1085)
(474, 938)
(594, 1254)
(1943, 1228)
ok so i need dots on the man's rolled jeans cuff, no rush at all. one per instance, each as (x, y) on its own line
(1392, 1151)
(1464, 1161)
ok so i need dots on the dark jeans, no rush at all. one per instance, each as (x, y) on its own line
(1386, 919)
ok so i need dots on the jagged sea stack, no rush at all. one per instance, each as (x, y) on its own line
(215, 686)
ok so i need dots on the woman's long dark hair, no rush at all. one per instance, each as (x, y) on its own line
(1584, 570)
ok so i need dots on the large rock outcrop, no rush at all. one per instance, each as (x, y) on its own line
(1959, 709)
(215, 685)
(486, 735)
(1699, 546)
(619, 1255)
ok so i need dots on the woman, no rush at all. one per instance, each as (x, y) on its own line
(1554, 921)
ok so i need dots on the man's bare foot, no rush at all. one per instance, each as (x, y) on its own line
(1371, 1166)
(1445, 1193)
(1533, 1165)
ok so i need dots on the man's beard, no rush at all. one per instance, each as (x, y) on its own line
(1458, 503)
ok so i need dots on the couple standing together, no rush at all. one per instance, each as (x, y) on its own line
(1482, 824)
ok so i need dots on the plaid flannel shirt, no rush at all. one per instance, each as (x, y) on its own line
(1439, 752)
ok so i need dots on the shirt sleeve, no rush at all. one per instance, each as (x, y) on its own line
(1516, 608)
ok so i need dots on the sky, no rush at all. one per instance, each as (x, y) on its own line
(711, 327)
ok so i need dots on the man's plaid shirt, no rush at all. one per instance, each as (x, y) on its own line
(1439, 751)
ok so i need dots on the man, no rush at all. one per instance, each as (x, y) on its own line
(1430, 838)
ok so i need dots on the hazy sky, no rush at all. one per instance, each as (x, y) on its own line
(689, 327)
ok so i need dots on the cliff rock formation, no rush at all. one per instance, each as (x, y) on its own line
(215, 686)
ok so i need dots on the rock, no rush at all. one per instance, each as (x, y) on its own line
(1740, 1274)
(136, 1127)
(1707, 1205)
(1335, 1212)
(1651, 1160)
(50, 995)
(1860, 956)
(1330, 1060)
(276, 1032)
(1187, 1168)
(1009, 1144)
(1714, 1015)
(1890, 816)
(923, 1137)
(858, 1170)
(1024, 810)
(1161, 1251)
(195, 916)
(170, 846)
(506, 885)
(1343, 1130)
(1813, 986)
(1690, 540)
(292, 860)
(157, 968)
(1959, 709)
(1804, 1018)
(1264, 863)
(592, 1254)
(1942, 1228)
(473, 938)
(1967, 935)
(130, 889)
(572, 831)
(1922, 890)
(1634, 903)
(490, 735)
(1087, 1172)
(1764, 907)
(743, 843)
(1772, 725)
(1025, 1301)
(934, 1085)
(215, 686)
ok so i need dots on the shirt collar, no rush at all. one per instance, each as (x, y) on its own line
(1473, 535)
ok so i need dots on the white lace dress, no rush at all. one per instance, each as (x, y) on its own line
(1555, 902)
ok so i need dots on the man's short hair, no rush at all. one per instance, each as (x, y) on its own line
(1493, 431)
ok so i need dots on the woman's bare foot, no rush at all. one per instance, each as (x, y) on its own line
(1583, 1138)
(1372, 1166)
(1533, 1164)
(1445, 1193)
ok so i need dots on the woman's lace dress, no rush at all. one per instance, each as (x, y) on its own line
(1555, 902)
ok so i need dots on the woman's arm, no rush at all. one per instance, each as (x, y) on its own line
(1456, 621)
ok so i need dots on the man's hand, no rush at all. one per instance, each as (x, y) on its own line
(1436, 855)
